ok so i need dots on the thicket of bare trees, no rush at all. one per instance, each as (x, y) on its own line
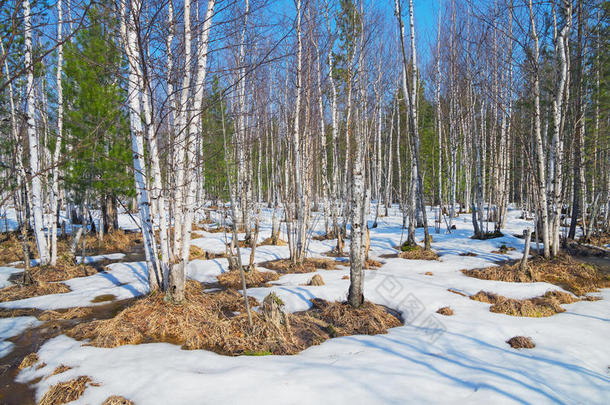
(322, 111)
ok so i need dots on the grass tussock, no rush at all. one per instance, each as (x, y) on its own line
(273, 242)
(29, 361)
(254, 278)
(447, 311)
(521, 342)
(309, 265)
(217, 322)
(117, 400)
(416, 252)
(12, 248)
(372, 264)
(65, 392)
(19, 292)
(195, 253)
(576, 277)
(503, 249)
(456, 292)
(59, 369)
(316, 280)
(547, 305)
(471, 254)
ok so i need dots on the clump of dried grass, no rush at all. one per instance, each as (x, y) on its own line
(117, 400)
(118, 241)
(254, 278)
(472, 254)
(416, 252)
(579, 278)
(59, 369)
(308, 265)
(65, 392)
(195, 252)
(12, 248)
(29, 361)
(547, 305)
(447, 311)
(64, 271)
(521, 342)
(217, 322)
(19, 292)
(428, 273)
(316, 280)
(456, 292)
(368, 319)
(503, 249)
(273, 242)
(371, 264)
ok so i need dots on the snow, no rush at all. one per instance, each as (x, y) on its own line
(432, 358)
(5, 273)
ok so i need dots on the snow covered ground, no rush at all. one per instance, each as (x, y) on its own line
(431, 359)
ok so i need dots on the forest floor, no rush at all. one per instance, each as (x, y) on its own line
(488, 333)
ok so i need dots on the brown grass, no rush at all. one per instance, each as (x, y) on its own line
(117, 400)
(195, 252)
(428, 273)
(503, 250)
(371, 264)
(417, 253)
(309, 265)
(456, 292)
(543, 306)
(469, 254)
(11, 249)
(272, 242)
(19, 292)
(579, 278)
(59, 369)
(254, 278)
(65, 392)
(316, 280)
(521, 342)
(599, 240)
(208, 321)
(29, 361)
(346, 277)
(447, 311)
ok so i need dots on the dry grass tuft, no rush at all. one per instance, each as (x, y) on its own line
(417, 253)
(456, 292)
(273, 242)
(217, 322)
(308, 265)
(579, 278)
(65, 271)
(428, 273)
(118, 241)
(346, 277)
(19, 292)
(195, 253)
(521, 342)
(503, 250)
(368, 319)
(547, 305)
(447, 311)
(254, 278)
(12, 250)
(472, 254)
(316, 280)
(65, 392)
(117, 400)
(371, 264)
(59, 369)
(29, 361)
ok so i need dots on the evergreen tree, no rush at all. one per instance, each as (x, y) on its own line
(97, 130)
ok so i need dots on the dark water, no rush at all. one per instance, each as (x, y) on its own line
(31, 340)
